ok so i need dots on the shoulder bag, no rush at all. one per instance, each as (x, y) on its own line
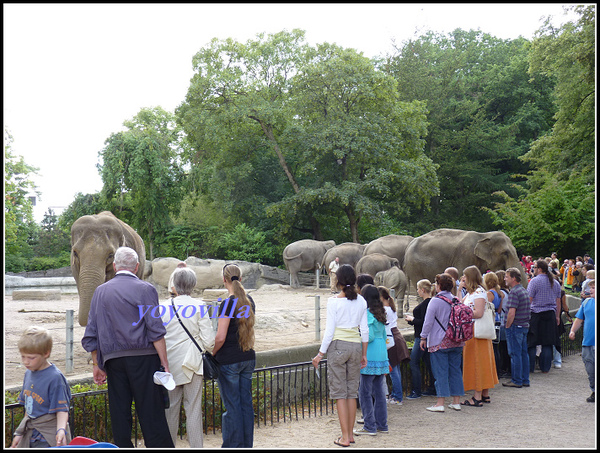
(484, 327)
(210, 365)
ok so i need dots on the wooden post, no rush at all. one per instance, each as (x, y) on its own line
(69, 348)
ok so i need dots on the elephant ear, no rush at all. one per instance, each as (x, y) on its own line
(483, 250)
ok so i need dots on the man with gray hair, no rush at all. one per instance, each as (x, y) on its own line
(128, 348)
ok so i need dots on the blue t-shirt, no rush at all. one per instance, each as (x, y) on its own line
(587, 312)
(45, 392)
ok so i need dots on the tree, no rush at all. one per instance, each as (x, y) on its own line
(556, 211)
(483, 113)
(359, 145)
(243, 89)
(19, 226)
(143, 163)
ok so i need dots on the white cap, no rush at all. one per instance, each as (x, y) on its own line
(164, 378)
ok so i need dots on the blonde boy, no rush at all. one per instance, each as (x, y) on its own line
(46, 395)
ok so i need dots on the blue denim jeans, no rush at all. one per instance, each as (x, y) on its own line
(516, 342)
(545, 358)
(371, 394)
(445, 364)
(415, 365)
(589, 361)
(396, 377)
(235, 386)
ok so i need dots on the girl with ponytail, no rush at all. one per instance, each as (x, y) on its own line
(233, 349)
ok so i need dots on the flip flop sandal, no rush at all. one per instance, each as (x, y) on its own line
(485, 399)
(337, 442)
(475, 403)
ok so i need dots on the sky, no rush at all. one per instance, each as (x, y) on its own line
(74, 72)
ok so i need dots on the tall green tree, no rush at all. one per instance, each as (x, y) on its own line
(143, 165)
(557, 209)
(19, 225)
(483, 113)
(243, 90)
(361, 148)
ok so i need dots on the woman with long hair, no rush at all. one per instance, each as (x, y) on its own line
(479, 365)
(233, 349)
(372, 377)
(345, 342)
(398, 353)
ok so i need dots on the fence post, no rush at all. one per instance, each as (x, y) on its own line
(69, 346)
(318, 318)
(317, 273)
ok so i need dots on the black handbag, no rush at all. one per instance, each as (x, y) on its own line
(210, 365)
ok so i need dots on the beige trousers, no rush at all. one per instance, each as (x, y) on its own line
(191, 393)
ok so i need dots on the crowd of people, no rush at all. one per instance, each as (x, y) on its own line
(361, 341)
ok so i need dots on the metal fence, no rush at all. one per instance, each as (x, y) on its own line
(280, 394)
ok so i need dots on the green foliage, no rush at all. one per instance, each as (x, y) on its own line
(247, 244)
(144, 162)
(557, 210)
(19, 227)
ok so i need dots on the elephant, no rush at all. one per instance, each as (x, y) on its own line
(348, 253)
(392, 245)
(395, 279)
(304, 255)
(375, 262)
(94, 241)
(433, 252)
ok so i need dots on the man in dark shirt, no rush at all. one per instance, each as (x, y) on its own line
(517, 326)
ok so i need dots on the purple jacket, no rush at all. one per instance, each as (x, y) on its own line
(123, 320)
(439, 309)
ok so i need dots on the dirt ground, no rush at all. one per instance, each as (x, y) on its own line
(552, 413)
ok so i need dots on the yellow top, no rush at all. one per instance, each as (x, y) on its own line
(350, 334)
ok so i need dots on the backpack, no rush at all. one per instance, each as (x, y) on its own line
(460, 324)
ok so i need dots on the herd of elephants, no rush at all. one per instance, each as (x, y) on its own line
(395, 261)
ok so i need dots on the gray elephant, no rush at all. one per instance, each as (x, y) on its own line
(348, 253)
(432, 253)
(395, 279)
(392, 245)
(304, 255)
(94, 241)
(375, 262)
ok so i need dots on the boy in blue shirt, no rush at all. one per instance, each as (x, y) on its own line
(46, 395)
(587, 313)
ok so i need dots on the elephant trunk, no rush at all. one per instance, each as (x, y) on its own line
(87, 283)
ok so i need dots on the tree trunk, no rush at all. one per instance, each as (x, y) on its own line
(353, 220)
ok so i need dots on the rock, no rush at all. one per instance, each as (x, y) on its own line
(36, 294)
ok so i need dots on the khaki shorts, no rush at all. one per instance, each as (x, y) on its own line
(343, 369)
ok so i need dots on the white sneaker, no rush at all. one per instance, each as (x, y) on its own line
(394, 401)
(360, 420)
(361, 431)
(456, 407)
(557, 365)
(436, 408)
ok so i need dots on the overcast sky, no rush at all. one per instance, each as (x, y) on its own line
(74, 72)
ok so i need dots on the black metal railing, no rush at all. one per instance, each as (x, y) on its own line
(280, 393)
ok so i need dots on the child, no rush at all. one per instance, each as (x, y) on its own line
(46, 395)
(587, 313)
(585, 289)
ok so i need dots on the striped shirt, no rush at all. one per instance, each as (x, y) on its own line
(518, 298)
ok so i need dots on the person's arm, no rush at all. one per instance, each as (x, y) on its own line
(222, 327)
(161, 348)
(577, 322)
(62, 419)
(99, 374)
(510, 316)
(479, 307)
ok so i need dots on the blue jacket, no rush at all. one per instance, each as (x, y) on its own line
(124, 319)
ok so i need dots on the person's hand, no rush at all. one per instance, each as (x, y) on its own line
(363, 362)
(316, 359)
(571, 335)
(15, 441)
(99, 375)
(61, 438)
(423, 344)
(409, 318)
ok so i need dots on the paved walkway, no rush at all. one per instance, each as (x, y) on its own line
(552, 413)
